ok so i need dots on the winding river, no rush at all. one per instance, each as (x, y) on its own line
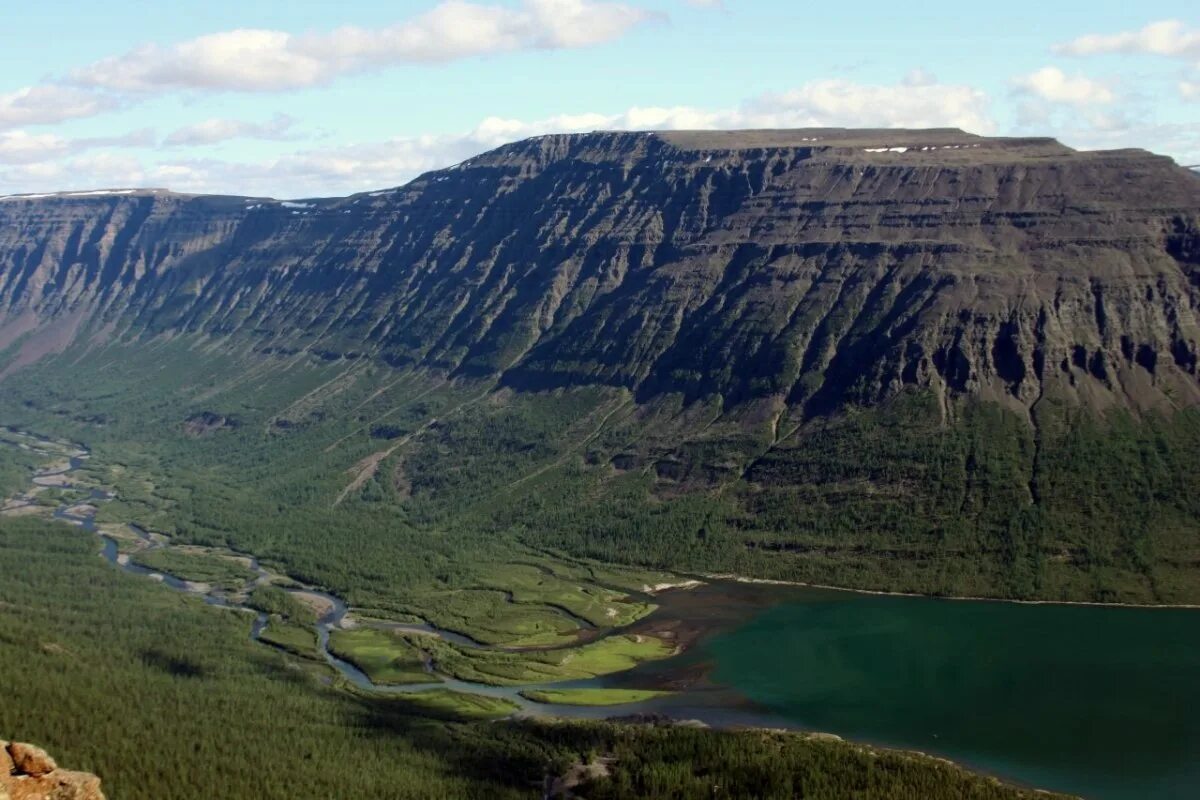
(81, 514)
(1098, 701)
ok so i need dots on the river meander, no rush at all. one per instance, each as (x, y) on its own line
(1098, 701)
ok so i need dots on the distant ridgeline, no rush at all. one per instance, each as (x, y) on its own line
(919, 360)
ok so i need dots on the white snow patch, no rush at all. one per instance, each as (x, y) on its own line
(95, 193)
(98, 192)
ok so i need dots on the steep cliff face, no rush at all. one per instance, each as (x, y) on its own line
(795, 270)
(29, 773)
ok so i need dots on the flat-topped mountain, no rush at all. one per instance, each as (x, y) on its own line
(801, 268)
(883, 345)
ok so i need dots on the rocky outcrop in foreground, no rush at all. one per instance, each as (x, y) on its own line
(29, 773)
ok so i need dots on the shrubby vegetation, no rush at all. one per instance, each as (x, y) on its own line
(16, 467)
(199, 567)
(477, 494)
(163, 696)
(591, 697)
(691, 764)
(384, 657)
(277, 602)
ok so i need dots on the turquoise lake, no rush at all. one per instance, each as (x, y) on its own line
(1102, 702)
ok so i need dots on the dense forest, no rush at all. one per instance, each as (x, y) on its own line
(163, 696)
(388, 486)
(511, 398)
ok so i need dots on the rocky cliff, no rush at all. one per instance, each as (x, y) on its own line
(906, 360)
(28, 773)
(789, 270)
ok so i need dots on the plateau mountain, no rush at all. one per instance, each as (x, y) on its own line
(905, 359)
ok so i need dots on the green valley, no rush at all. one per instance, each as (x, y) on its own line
(404, 494)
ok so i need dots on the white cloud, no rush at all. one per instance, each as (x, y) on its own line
(1180, 140)
(212, 131)
(845, 103)
(22, 147)
(91, 171)
(1055, 86)
(269, 60)
(1189, 90)
(1166, 38)
(350, 168)
(50, 103)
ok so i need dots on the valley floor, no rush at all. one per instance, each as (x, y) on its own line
(143, 651)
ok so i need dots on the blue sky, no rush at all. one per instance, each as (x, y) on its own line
(305, 98)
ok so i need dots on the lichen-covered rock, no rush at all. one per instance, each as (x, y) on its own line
(30, 760)
(58, 785)
(29, 773)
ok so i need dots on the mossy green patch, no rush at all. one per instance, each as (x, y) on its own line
(591, 697)
(491, 617)
(537, 584)
(386, 658)
(603, 657)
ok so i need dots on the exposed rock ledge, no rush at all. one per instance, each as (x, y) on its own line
(28, 773)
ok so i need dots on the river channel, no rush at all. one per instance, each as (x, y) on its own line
(1098, 701)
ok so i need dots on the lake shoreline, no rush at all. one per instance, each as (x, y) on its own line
(743, 579)
(691, 611)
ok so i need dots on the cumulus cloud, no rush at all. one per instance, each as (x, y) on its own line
(213, 131)
(1180, 140)
(269, 60)
(51, 103)
(1055, 86)
(89, 171)
(919, 101)
(19, 147)
(22, 147)
(1166, 38)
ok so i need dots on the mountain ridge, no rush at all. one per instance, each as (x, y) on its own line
(791, 230)
(965, 371)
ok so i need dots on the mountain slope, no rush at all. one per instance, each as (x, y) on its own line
(702, 263)
(877, 346)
